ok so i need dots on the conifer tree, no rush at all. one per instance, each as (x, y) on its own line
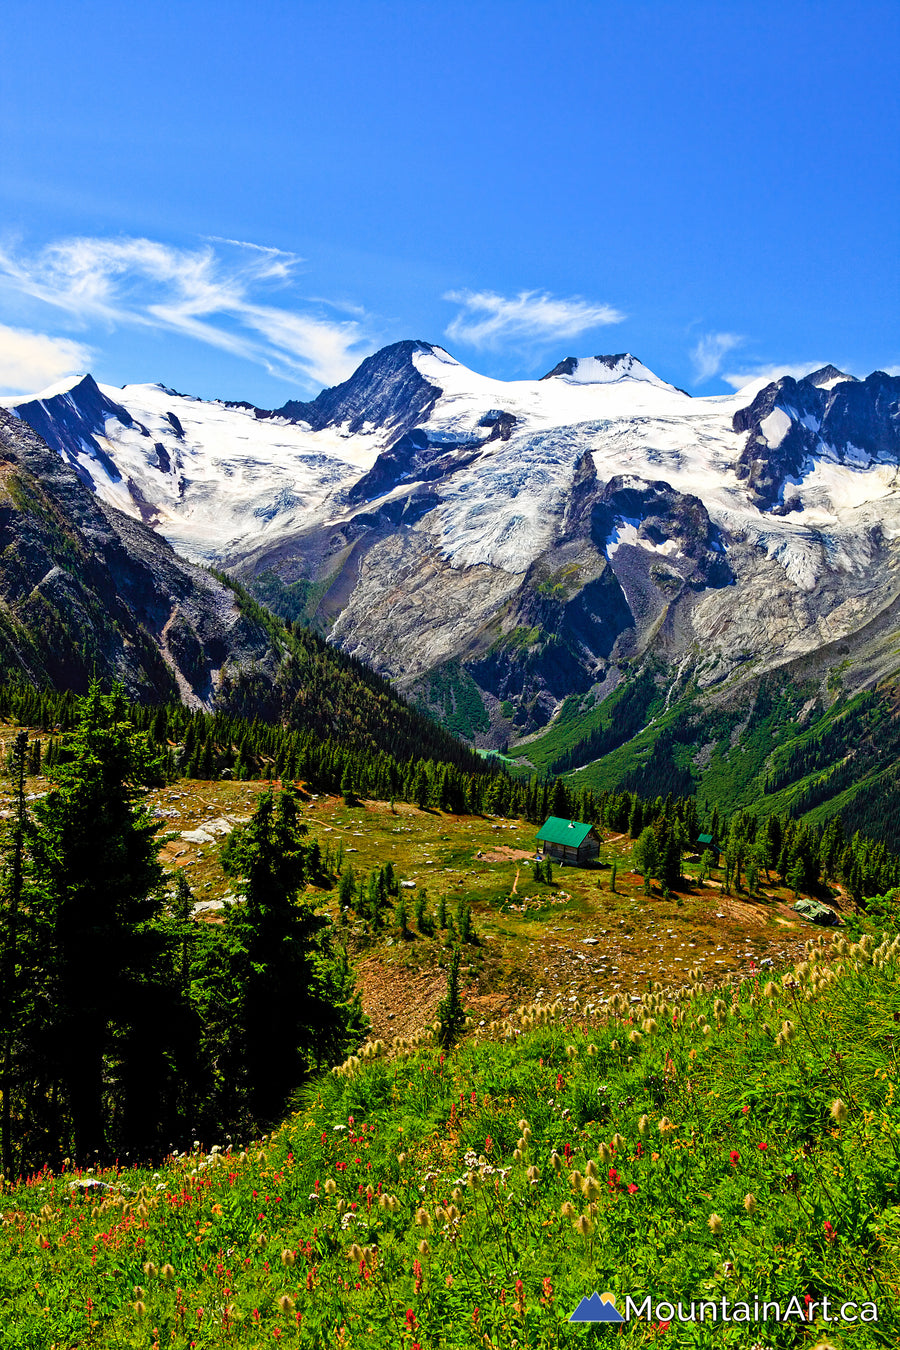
(13, 1022)
(647, 855)
(298, 1007)
(347, 887)
(348, 791)
(451, 1014)
(181, 910)
(97, 853)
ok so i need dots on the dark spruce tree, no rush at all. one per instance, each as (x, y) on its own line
(451, 1015)
(96, 852)
(298, 1010)
(16, 1017)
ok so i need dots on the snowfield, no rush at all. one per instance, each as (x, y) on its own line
(218, 482)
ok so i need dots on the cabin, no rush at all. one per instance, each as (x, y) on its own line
(570, 841)
(816, 913)
(706, 844)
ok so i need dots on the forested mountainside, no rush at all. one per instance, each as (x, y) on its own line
(784, 743)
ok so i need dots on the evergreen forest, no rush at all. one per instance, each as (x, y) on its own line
(127, 1027)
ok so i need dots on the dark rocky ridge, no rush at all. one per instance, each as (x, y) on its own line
(70, 423)
(569, 364)
(852, 416)
(385, 391)
(412, 456)
(665, 515)
(85, 589)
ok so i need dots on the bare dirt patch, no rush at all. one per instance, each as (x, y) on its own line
(745, 912)
(503, 853)
(398, 1001)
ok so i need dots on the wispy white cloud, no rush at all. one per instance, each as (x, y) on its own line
(30, 361)
(487, 319)
(711, 351)
(211, 294)
(758, 377)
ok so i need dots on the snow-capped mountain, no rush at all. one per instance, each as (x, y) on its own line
(539, 532)
(208, 476)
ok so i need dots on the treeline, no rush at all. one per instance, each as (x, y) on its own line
(660, 772)
(320, 689)
(805, 857)
(866, 721)
(214, 745)
(126, 1028)
(206, 746)
(304, 685)
(799, 854)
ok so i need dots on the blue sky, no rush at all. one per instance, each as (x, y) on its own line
(242, 201)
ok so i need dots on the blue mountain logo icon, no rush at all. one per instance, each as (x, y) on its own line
(597, 1308)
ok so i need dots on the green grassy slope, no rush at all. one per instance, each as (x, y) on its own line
(584, 731)
(686, 1149)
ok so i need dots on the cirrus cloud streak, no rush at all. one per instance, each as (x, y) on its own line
(487, 319)
(710, 352)
(213, 293)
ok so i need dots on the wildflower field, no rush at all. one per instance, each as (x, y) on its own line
(738, 1145)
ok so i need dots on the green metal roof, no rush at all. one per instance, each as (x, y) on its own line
(811, 909)
(704, 838)
(572, 833)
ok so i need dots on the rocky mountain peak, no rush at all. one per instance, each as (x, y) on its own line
(826, 414)
(385, 391)
(70, 418)
(826, 377)
(602, 370)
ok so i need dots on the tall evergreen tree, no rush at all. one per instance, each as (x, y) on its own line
(96, 850)
(646, 852)
(12, 1012)
(298, 1006)
(451, 1014)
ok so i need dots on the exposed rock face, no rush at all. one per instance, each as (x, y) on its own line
(539, 536)
(85, 589)
(792, 421)
(386, 391)
(653, 518)
(413, 456)
(69, 423)
(604, 369)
